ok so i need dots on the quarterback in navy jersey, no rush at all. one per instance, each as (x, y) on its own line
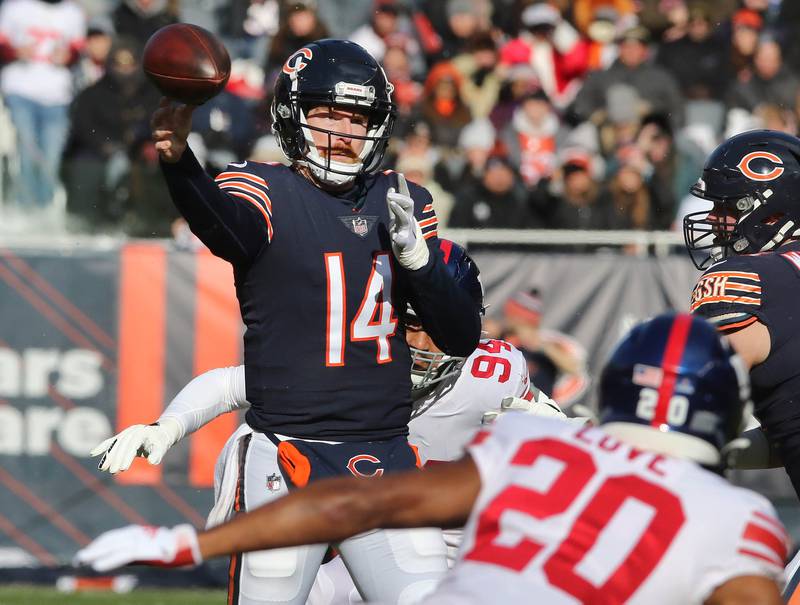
(327, 254)
(748, 245)
(318, 275)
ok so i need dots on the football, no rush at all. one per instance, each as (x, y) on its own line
(186, 63)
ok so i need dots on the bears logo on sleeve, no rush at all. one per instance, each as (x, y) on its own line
(729, 299)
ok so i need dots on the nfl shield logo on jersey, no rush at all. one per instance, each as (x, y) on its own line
(273, 482)
(360, 225)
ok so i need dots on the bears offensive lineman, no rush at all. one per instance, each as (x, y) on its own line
(558, 513)
(748, 244)
(452, 395)
(324, 253)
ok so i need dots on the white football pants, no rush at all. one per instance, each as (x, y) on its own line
(391, 566)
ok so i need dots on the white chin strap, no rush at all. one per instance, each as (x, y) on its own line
(327, 176)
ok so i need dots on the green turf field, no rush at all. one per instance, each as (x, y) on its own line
(30, 595)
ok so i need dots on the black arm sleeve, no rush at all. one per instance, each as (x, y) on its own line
(231, 228)
(446, 311)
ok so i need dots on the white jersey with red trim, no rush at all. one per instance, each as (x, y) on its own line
(447, 418)
(570, 515)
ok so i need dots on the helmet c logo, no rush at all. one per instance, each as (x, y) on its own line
(744, 166)
(297, 61)
(351, 465)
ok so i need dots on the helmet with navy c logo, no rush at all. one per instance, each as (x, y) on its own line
(334, 73)
(752, 180)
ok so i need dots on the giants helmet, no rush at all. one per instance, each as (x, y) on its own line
(753, 178)
(332, 73)
(673, 385)
(430, 367)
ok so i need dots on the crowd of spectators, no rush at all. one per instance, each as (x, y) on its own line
(560, 114)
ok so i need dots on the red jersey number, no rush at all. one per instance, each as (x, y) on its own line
(485, 366)
(561, 566)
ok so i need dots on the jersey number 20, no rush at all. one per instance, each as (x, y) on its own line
(563, 567)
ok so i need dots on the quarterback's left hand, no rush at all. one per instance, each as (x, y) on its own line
(408, 244)
(541, 406)
(142, 545)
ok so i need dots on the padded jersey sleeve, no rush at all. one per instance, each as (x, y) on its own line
(231, 216)
(756, 545)
(729, 295)
(207, 396)
(446, 311)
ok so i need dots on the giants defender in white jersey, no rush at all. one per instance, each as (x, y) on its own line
(570, 515)
(448, 412)
(558, 513)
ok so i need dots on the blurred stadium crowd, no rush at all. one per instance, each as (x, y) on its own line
(582, 114)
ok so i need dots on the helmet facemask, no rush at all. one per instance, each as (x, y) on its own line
(346, 96)
(431, 367)
(710, 237)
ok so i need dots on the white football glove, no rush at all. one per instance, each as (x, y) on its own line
(541, 406)
(408, 244)
(142, 545)
(148, 441)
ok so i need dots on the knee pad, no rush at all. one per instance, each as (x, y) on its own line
(418, 551)
(277, 563)
(414, 593)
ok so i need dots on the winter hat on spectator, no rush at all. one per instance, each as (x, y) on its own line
(147, 9)
(525, 305)
(302, 5)
(747, 18)
(499, 159)
(478, 134)
(603, 27)
(100, 24)
(540, 14)
(458, 7)
(387, 6)
(537, 94)
(637, 33)
(578, 159)
(416, 167)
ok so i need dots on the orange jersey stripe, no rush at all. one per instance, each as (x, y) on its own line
(249, 188)
(740, 324)
(428, 222)
(732, 299)
(245, 196)
(241, 175)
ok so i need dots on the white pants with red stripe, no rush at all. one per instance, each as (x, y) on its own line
(391, 566)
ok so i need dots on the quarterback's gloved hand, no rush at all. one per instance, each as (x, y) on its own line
(542, 405)
(408, 244)
(142, 545)
(148, 441)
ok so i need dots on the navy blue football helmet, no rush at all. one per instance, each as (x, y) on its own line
(332, 73)
(753, 180)
(430, 367)
(675, 386)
